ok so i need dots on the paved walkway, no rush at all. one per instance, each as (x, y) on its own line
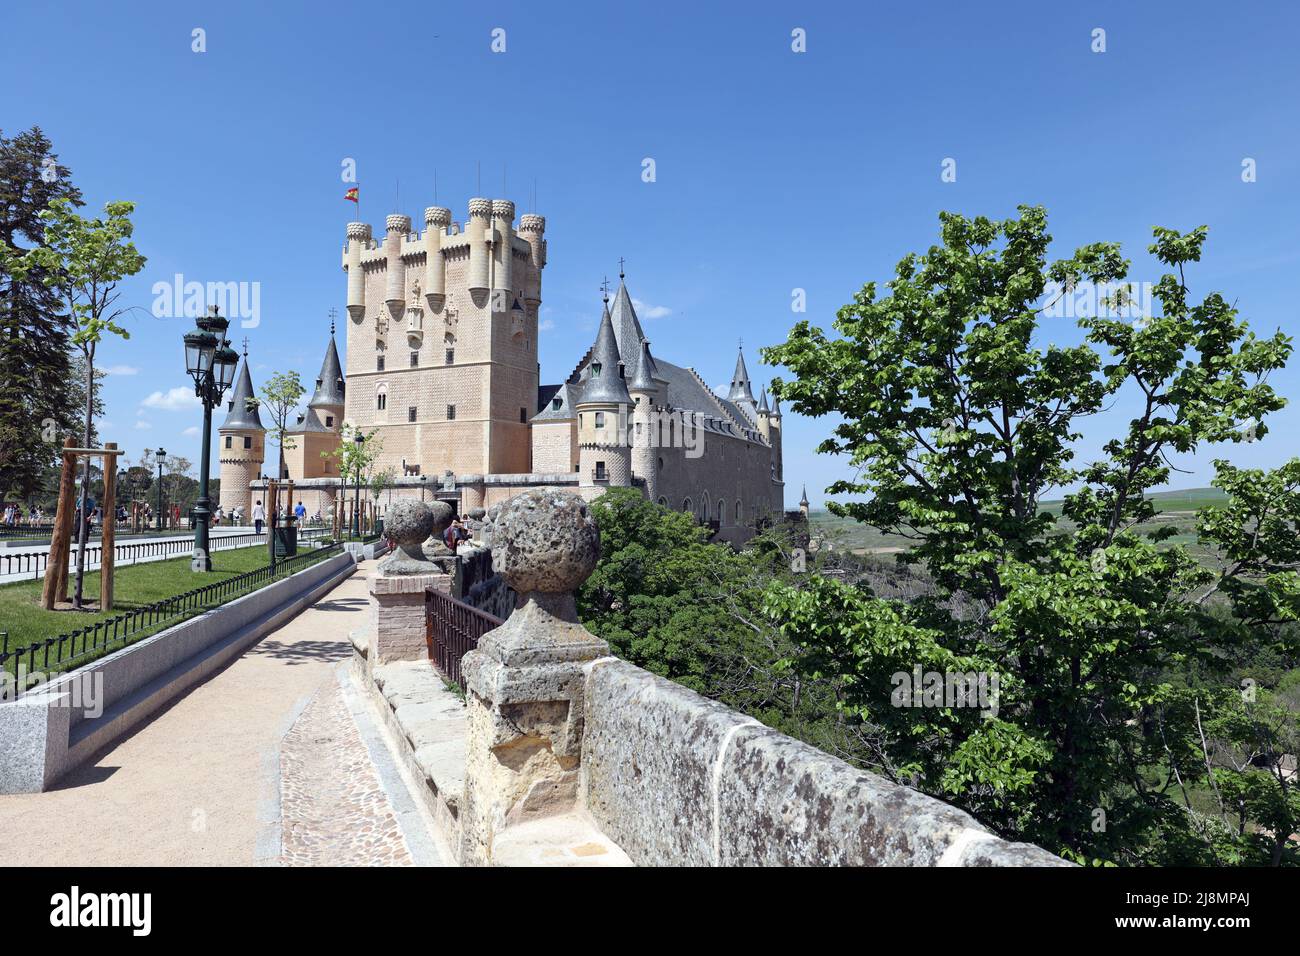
(275, 760)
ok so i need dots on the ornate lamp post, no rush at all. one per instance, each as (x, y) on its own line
(211, 363)
(360, 440)
(423, 479)
(161, 455)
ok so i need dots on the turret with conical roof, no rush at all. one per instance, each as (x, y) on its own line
(330, 385)
(242, 446)
(604, 457)
(740, 387)
(803, 502)
(646, 393)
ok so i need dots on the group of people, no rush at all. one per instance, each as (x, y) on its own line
(12, 516)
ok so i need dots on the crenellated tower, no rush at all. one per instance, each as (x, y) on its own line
(457, 390)
(242, 446)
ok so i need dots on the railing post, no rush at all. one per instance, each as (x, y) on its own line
(397, 586)
(526, 678)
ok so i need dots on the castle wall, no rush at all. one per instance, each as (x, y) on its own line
(555, 446)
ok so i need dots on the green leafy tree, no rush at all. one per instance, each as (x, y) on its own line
(37, 402)
(279, 395)
(354, 459)
(957, 423)
(84, 260)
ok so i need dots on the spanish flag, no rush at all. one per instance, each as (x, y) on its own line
(354, 194)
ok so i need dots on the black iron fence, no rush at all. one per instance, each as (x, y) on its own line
(34, 563)
(35, 662)
(452, 629)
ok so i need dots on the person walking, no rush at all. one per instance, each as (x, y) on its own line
(259, 517)
(300, 512)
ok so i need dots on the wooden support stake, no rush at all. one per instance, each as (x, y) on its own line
(109, 531)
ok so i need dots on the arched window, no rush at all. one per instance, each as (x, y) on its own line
(739, 519)
(381, 397)
(663, 502)
(722, 512)
(687, 506)
(704, 507)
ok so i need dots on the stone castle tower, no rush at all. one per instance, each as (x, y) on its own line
(242, 447)
(604, 457)
(442, 337)
(317, 428)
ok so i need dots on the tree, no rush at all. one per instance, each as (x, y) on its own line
(354, 459)
(36, 404)
(83, 260)
(279, 396)
(957, 424)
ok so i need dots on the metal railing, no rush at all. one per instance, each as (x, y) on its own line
(56, 654)
(35, 562)
(452, 629)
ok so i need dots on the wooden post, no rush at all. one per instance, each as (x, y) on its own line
(55, 586)
(106, 535)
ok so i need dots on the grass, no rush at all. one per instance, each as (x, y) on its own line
(134, 586)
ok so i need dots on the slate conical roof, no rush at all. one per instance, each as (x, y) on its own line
(607, 387)
(643, 380)
(740, 390)
(762, 401)
(804, 500)
(627, 328)
(242, 415)
(329, 385)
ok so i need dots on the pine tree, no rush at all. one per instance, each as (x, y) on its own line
(37, 407)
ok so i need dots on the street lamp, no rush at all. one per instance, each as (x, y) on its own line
(360, 441)
(423, 479)
(211, 362)
(161, 455)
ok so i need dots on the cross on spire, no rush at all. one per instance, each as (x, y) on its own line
(245, 346)
(604, 289)
(620, 267)
(333, 315)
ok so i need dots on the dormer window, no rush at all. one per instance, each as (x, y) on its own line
(556, 403)
(595, 370)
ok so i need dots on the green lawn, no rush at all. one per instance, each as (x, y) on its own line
(134, 586)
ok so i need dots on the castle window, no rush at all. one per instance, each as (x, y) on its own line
(379, 363)
(248, 441)
(410, 414)
(595, 370)
(523, 416)
(229, 439)
(600, 419)
(661, 468)
(663, 502)
(415, 359)
(556, 403)
(329, 421)
(601, 474)
(722, 512)
(686, 505)
(451, 412)
(381, 401)
(737, 512)
(451, 356)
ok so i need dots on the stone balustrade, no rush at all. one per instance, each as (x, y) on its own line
(558, 729)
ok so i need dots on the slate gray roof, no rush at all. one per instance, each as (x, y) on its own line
(627, 329)
(566, 393)
(305, 420)
(609, 386)
(241, 415)
(740, 390)
(329, 384)
(646, 372)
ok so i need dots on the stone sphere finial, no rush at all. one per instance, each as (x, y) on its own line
(407, 523)
(544, 541)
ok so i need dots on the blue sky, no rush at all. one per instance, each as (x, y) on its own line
(775, 170)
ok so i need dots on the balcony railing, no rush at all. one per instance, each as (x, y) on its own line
(452, 629)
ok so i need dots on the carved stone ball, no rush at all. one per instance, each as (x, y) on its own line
(477, 513)
(409, 522)
(544, 541)
(442, 516)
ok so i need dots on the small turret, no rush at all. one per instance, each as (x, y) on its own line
(531, 229)
(397, 227)
(480, 211)
(329, 396)
(358, 242)
(503, 226)
(645, 439)
(803, 502)
(241, 446)
(741, 391)
(436, 221)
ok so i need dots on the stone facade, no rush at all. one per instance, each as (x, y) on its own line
(441, 360)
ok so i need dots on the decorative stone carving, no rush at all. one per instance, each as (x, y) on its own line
(526, 678)
(408, 523)
(434, 548)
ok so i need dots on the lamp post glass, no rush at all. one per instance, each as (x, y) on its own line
(211, 362)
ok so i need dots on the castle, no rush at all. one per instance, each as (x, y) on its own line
(441, 363)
